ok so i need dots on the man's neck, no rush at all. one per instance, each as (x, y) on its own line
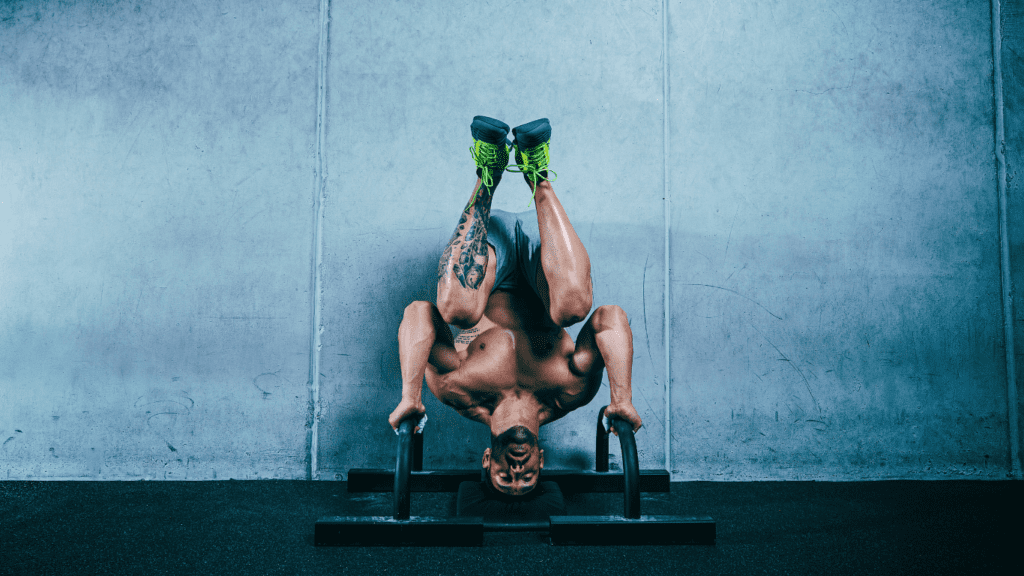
(516, 409)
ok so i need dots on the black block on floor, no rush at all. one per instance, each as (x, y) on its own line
(386, 531)
(619, 531)
(570, 481)
(478, 499)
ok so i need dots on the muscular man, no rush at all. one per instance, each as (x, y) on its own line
(512, 283)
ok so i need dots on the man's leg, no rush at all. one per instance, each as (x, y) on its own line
(423, 337)
(606, 341)
(465, 274)
(563, 276)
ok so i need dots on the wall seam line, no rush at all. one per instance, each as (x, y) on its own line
(667, 209)
(316, 277)
(1006, 279)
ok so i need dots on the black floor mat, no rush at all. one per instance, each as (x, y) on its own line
(266, 527)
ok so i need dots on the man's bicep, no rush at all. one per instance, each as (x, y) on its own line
(560, 402)
(444, 358)
(569, 402)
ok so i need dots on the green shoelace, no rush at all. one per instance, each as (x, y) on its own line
(536, 161)
(484, 155)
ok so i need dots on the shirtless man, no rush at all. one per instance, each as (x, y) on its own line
(512, 283)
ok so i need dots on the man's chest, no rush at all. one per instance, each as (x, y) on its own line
(502, 362)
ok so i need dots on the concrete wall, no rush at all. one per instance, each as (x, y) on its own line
(1012, 37)
(155, 236)
(836, 295)
(834, 260)
(406, 80)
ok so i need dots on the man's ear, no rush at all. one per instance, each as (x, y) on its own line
(541, 459)
(487, 458)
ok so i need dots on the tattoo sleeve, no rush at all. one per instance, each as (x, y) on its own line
(453, 244)
(468, 245)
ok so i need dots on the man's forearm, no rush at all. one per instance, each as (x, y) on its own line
(614, 341)
(616, 346)
(414, 343)
(416, 337)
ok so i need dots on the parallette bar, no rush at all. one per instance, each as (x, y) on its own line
(380, 480)
(563, 530)
(532, 526)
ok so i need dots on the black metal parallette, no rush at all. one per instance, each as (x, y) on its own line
(417, 451)
(645, 530)
(533, 526)
(562, 530)
(569, 481)
(403, 469)
(408, 476)
(601, 450)
(630, 468)
(385, 531)
(630, 462)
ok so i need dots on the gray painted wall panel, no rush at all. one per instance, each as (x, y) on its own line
(835, 262)
(406, 81)
(1013, 118)
(155, 187)
(835, 294)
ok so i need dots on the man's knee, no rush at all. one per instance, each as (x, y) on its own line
(418, 309)
(458, 310)
(417, 314)
(571, 306)
(609, 317)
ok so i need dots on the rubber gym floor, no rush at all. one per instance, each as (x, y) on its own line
(266, 527)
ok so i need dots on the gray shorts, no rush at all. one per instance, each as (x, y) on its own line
(516, 242)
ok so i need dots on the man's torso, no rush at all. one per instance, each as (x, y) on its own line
(515, 350)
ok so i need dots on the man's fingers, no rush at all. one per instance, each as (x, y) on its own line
(629, 415)
(637, 423)
(403, 412)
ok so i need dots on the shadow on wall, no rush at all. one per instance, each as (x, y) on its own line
(364, 386)
(355, 432)
(451, 441)
(412, 277)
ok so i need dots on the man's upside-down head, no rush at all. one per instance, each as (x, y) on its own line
(514, 461)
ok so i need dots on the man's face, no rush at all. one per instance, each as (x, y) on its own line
(514, 461)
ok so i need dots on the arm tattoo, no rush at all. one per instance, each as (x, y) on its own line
(467, 336)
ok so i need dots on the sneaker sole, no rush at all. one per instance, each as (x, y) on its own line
(488, 130)
(532, 134)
